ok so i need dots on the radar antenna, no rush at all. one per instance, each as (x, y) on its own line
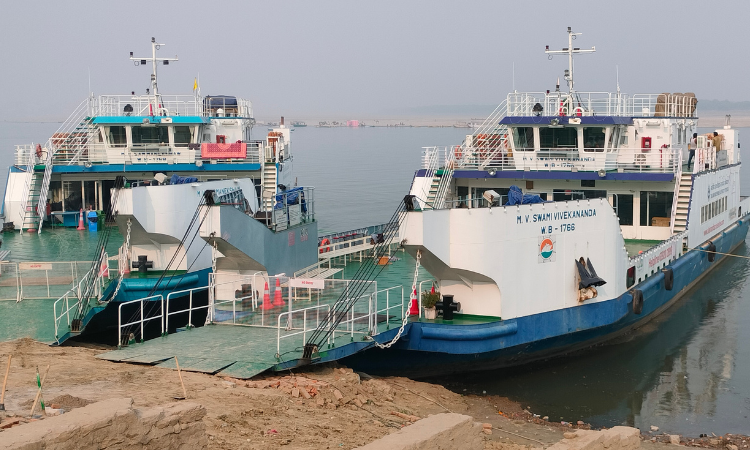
(569, 51)
(154, 62)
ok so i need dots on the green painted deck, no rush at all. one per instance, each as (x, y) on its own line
(227, 350)
(58, 244)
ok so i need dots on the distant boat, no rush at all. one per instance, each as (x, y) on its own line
(299, 124)
(462, 125)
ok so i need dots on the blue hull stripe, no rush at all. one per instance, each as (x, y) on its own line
(425, 350)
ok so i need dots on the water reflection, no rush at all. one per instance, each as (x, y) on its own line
(687, 371)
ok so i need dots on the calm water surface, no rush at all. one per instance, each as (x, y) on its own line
(688, 371)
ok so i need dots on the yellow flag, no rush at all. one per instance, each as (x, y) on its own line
(195, 84)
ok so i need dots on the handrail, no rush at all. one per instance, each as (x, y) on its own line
(190, 306)
(676, 195)
(290, 316)
(142, 320)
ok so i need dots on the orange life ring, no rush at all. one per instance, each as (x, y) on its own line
(457, 152)
(324, 242)
(38, 150)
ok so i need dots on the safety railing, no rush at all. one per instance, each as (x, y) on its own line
(189, 309)
(375, 313)
(304, 329)
(661, 160)
(142, 320)
(75, 292)
(170, 105)
(223, 289)
(292, 208)
(39, 280)
(658, 256)
(601, 104)
(101, 153)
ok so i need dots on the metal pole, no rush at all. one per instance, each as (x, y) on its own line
(142, 321)
(190, 310)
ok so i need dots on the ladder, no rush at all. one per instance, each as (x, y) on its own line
(683, 203)
(483, 149)
(32, 186)
(268, 186)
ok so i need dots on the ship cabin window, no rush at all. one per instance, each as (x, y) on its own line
(477, 201)
(561, 195)
(117, 136)
(656, 208)
(558, 139)
(593, 139)
(150, 135)
(623, 206)
(182, 136)
(523, 139)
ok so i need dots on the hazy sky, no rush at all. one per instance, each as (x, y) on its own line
(366, 59)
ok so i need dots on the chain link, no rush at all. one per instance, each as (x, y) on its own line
(412, 298)
(120, 269)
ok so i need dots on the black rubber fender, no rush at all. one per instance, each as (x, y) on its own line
(668, 278)
(637, 300)
(711, 249)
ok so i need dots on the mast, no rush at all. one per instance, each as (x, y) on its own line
(569, 51)
(154, 63)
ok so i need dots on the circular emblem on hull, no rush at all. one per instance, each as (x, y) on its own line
(546, 248)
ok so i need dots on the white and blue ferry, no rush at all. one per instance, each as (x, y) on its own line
(146, 160)
(612, 227)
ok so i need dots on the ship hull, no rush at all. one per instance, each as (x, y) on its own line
(432, 349)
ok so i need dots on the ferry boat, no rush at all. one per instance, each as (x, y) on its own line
(566, 219)
(146, 162)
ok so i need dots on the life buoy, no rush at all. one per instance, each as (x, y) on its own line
(457, 152)
(579, 111)
(38, 150)
(323, 243)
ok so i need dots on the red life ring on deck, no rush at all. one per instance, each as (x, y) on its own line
(324, 242)
(38, 150)
(457, 152)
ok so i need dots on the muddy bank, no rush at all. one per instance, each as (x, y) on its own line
(325, 407)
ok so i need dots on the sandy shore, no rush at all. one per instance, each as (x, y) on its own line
(327, 407)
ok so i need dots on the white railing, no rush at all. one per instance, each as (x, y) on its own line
(189, 309)
(141, 321)
(662, 160)
(41, 205)
(600, 103)
(39, 280)
(77, 305)
(169, 105)
(304, 330)
(676, 195)
(30, 159)
(357, 320)
(657, 257)
(287, 213)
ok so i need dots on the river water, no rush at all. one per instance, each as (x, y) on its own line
(687, 371)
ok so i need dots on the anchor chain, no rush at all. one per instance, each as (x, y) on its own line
(412, 298)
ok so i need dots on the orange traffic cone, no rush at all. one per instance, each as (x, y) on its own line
(414, 304)
(277, 300)
(80, 221)
(266, 299)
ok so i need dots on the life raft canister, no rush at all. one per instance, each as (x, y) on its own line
(637, 300)
(668, 278)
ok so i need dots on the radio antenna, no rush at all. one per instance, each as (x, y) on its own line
(569, 51)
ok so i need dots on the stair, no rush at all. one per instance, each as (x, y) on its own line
(268, 185)
(683, 203)
(432, 193)
(31, 219)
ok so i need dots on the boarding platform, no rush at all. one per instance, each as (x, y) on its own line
(250, 331)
